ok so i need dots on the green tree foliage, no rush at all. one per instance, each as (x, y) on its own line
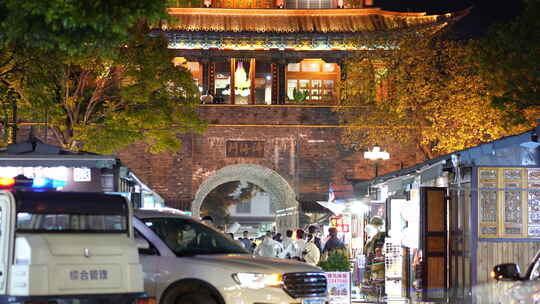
(92, 73)
(74, 27)
(11, 75)
(510, 61)
(99, 103)
(425, 93)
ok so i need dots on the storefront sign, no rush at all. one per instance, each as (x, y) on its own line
(338, 223)
(339, 287)
(245, 148)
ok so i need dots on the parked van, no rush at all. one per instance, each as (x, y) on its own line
(62, 247)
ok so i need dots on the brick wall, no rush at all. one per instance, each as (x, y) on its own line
(302, 144)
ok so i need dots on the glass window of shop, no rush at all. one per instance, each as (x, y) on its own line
(313, 81)
(243, 80)
(309, 4)
(252, 81)
(263, 83)
(222, 82)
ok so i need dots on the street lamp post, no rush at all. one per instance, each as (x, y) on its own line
(375, 155)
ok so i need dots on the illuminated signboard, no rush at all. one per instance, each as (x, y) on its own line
(337, 222)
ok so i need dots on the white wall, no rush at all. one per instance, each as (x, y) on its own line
(260, 206)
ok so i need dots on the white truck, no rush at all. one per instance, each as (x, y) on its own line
(187, 262)
(62, 247)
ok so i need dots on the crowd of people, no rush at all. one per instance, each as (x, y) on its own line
(299, 244)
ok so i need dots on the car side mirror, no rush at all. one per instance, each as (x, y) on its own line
(506, 272)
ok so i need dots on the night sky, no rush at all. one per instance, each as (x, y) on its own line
(483, 14)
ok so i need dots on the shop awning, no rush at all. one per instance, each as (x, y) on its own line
(335, 208)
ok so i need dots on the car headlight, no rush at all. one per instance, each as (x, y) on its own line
(258, 280)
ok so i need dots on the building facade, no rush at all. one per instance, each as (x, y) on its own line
(260, 52)
(274, 71)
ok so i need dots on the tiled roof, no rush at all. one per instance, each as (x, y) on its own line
(299, 20)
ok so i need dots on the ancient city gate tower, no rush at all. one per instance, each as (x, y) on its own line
(274, 72)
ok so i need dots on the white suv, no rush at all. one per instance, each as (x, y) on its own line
(187, 262)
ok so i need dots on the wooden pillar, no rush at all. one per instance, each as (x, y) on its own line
(274, 83)
(206, 75)
(212, 77)
(342, 70)
(232, 87)
(282, 86)
(252, 67)
(342, 77)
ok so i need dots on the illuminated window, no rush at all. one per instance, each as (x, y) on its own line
(193, 66)
(315, 77)
(310, 66)
(293, 67)
(317, 90)
(329, 67)
(308, 4)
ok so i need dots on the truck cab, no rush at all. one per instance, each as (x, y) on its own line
(66, 247)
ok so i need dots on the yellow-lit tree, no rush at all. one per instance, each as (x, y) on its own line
(423, 92)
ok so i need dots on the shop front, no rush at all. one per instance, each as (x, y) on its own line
(455, 217)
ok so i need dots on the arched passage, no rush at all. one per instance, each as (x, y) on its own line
(282, 196)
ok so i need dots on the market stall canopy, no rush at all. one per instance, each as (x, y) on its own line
(336, 208)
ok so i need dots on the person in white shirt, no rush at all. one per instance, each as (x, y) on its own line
(289, 246)
(300, 244)
(268, 247)
(311, 253)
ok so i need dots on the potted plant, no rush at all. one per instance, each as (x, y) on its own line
(336, 260)
(300, 96)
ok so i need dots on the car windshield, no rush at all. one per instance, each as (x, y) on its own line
(188, 237)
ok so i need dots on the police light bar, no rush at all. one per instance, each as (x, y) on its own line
(22, 182)
(6, 182)
(43, 182)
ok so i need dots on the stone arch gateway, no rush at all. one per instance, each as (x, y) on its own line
(283, 198)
